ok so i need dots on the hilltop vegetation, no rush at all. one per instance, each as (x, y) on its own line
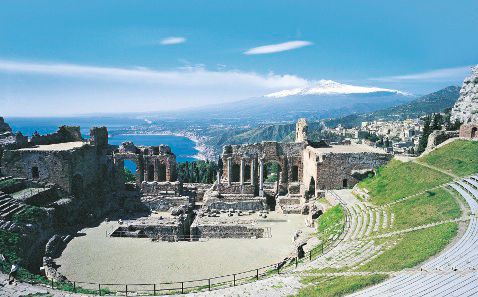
(432, 103)
(459, 157)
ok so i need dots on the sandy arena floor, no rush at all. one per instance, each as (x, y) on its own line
(97, 258)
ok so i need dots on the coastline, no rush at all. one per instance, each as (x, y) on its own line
(203, 151)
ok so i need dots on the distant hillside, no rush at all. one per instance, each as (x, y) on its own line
(431, 103)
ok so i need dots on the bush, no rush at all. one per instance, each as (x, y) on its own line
(31, 215)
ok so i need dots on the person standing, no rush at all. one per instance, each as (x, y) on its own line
(13, 272)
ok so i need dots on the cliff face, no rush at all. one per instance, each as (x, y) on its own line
(4, 127)
(466, 108)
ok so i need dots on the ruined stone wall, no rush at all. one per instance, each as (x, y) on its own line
(469, 131)
(161, 188)
(309, 172)
(341, 170)
(153, 163)
(52, 167)
(235, 188)
(439, 136)
(287, 155)
(64, 134)
(243, 203)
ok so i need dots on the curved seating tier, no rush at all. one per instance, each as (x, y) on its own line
(453, 272)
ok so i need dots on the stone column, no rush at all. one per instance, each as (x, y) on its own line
(253, 165)
(261, 178)
(218, 182)
(145, 171)
(156, 169)
(241, 177)
(229, 170)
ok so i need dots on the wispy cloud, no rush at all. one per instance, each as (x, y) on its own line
(38, 87)
(172, 40)
(276, 48)
(184, 76)
(437, 75)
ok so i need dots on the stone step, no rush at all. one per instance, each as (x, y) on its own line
(9, 207)
(6, 204)
(13, 211)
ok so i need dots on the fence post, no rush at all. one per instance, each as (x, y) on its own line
(126, 291)
(74, 287)
(209, 282)
(182, 287)
(99, 289)
(234, 279)
(278, 268)
(154, 289)
(257, 274)
(52, 283)
(296, 261)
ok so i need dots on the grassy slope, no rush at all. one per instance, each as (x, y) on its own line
(414, 248)
(338, 286)
(397, 180)
(459, 157)
(433, 206)
(331, 222)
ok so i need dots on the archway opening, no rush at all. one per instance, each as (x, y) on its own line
(236, 171)
(161, 172)
(151, 172)
(474, 133)
(35, 172)
(311, 190)
(129, 171)
(247, 173)
(272, 171)
(345, 183)
(295, 173)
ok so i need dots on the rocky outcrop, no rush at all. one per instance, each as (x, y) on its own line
(466, 108)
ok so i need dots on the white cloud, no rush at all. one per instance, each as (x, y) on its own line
(438, 75)
(192, 76)
(276, 48)
(172, 40)
(39, 87)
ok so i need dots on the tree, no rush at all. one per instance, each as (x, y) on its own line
(422, 145)
(128, 176)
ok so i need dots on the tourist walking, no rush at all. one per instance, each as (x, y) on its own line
(13, 272)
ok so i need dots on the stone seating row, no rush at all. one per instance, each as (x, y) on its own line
(453, 272)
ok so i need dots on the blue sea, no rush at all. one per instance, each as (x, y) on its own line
(182, 147)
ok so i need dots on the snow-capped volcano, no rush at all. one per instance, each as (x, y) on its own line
(330, 87)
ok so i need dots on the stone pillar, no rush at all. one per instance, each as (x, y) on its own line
(229, 170)
(156, 169)
(261, 178)
(253, 167)
(218, 182)
(145, 171)
(241, 177)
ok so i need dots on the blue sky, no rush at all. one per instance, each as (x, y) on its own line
(65, 57)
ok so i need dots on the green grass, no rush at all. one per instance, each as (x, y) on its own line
(459, 157)
(433, 206)
(397, 180)
(413, 248)
(31, 215)
(338, 286)
(331, 222)
(9, 247)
